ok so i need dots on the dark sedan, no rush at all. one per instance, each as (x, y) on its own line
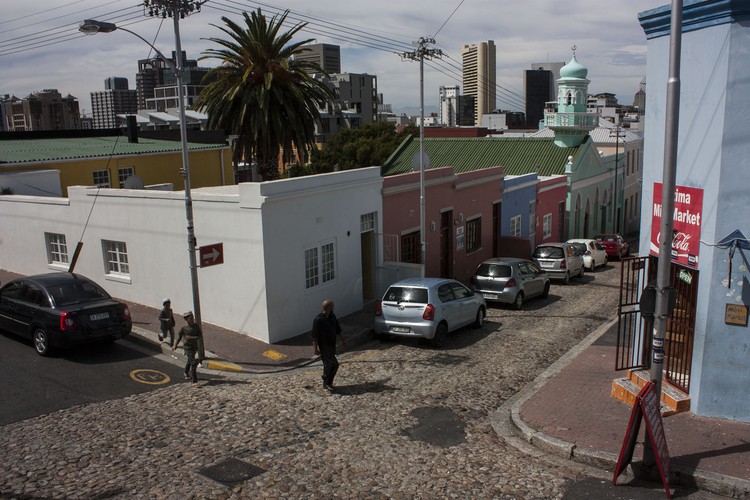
(61, 309)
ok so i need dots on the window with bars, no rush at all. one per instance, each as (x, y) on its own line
(101, 178)
(320, 264)
(411, 248)
(123, 174)
(547, 225)
(473, 235)
(57, 248)
(116, 257)
(515, 226)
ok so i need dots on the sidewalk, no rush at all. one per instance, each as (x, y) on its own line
(568, 411)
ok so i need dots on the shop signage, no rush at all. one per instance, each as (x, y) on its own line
(686, 231)
(735, 314)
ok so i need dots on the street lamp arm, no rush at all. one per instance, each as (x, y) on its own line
(92, 27)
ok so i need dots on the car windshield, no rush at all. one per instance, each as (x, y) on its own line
(75, 292)
(606, 237)
(406, 294)
(549, 253)
(494, 270)
(579, 246)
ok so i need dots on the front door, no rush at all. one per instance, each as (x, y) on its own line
(446, 244)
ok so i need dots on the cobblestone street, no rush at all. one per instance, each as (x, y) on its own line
(406, 421)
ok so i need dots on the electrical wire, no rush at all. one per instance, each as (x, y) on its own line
(449, 18)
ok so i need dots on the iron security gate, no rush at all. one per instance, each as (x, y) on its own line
(634, 332)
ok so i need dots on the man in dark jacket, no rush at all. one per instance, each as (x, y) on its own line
(192, 334)
(324, 332)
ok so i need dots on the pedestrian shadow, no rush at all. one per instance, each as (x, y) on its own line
(374, 387)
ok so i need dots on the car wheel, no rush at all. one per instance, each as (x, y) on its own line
(566, 279)
(518, 302)
(479, 321)
(441, 335)
(580, 275)
(545, 293)
(41, 342)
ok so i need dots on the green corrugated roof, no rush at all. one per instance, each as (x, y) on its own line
(517, 155)
(37, 150)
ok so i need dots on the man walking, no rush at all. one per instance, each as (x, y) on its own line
(324, 332)
(193, 335)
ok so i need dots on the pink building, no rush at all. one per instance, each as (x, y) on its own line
(461, 223)
(551, 193)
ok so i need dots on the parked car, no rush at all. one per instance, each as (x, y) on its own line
(510, 281)
(614, 244)
(594, 254)
(559, 260)
(429, 308)
(61, 309)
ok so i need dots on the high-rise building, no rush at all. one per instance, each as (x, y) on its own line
(479, 80)
(44, 110)
(327, 56)
(449, 105)
(154, 73)
(356, 103)
(116, 99)
(540, 87)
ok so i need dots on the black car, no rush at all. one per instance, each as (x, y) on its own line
(61, 309)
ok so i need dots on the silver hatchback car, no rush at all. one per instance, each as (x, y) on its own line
(510, 281)
(428, 308)
(560, 260)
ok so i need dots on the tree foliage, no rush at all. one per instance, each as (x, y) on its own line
(260, 94)
(368, 146)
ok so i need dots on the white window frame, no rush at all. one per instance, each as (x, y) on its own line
(320, 264)
(57, 249)
(547, 225)
(123, 173)
(101, 173)
(515, 226)
(116, 264)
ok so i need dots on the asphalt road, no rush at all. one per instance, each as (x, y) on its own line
(33, 385)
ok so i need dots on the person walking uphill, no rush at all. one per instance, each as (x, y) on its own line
(166, 318)
(324, 332)
(192, 334)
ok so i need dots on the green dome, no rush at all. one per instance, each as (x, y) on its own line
(574, 70)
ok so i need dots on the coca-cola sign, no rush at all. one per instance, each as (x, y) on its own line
(686, 230)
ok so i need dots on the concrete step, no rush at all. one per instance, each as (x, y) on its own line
(670, 395)
(627, 391)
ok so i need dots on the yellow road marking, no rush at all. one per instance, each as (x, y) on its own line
(150, 377)
(222, 365)
(274, 355)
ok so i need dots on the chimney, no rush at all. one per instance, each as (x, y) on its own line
(132, 129)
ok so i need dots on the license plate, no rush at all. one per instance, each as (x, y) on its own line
(97, 317)
(490, 296)
(400, 329)
(546, 264)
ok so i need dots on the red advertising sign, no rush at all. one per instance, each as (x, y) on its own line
(646, 407)
(686, 233)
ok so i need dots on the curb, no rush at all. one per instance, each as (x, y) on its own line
(709, 481)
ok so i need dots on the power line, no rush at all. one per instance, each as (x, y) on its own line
(449, 18)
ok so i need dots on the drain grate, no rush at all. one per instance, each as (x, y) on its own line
(232, 471)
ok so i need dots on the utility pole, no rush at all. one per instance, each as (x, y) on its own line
(420, 53)
(615, 196)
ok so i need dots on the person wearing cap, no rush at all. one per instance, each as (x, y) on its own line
(166, 320)
(192, 334)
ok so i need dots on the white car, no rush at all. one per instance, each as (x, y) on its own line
(594, 254)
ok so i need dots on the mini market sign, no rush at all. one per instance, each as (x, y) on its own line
(686, 234)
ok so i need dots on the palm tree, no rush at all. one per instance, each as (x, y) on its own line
(260, 94)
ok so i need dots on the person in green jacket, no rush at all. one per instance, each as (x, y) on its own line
(192, 334)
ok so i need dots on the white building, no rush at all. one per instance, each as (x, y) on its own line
(288, 245)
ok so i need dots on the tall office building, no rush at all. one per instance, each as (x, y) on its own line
(115, 99)
(44, 110)
(154, 73)
(326, 55)
(479, 76)
(540, 87)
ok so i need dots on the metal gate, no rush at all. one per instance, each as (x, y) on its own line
(634, 332)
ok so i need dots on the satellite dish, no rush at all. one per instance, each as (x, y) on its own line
(415, 162)
(133, 182)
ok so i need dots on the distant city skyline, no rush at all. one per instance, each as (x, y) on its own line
(40, 46)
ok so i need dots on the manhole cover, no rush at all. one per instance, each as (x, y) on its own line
(232, 471)
(438, 426)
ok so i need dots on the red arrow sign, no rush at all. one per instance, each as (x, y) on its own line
(212, 254)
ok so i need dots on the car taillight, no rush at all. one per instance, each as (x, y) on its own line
(378, 308)
(125, 311)
(429, 313)
(511, 283)
(563, 264)
(67, 322)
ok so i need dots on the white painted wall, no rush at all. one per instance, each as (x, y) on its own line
(260, 288)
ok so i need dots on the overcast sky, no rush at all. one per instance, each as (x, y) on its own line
(41, 48)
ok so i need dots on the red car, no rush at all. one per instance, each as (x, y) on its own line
(614, 244)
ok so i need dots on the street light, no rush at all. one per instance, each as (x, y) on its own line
(176, 9)
(615, 218)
